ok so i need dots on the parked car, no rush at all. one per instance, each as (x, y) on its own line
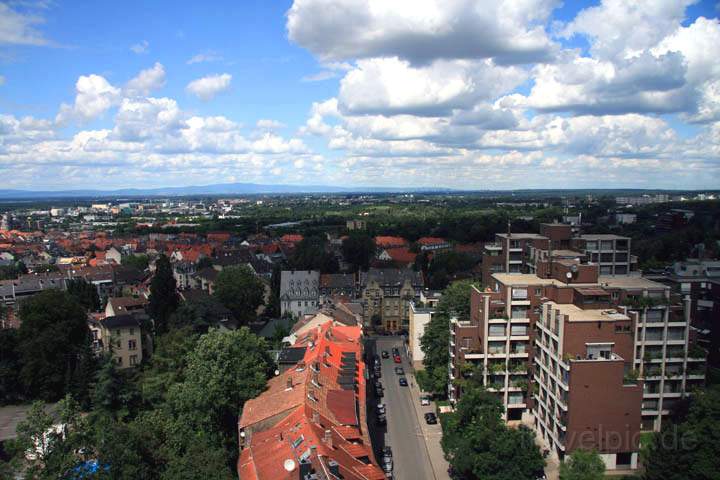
(403, 382)
(424, 400)
(378, 373)
(387, 452)
(399, 370)
(387, 461)
(385, 354)
(379, 392)
(430, 418)
(397, 359)
(380, 409)
(381, 420)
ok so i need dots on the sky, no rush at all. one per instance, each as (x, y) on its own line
(462, 94)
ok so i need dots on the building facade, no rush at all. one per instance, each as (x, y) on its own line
(386, 297)
(299, 292)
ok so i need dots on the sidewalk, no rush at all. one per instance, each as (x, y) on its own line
(431, 433)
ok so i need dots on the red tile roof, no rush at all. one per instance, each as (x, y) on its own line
(387, 241)
(315, 420)
(401, 255)
(431, 241)
(291, 238)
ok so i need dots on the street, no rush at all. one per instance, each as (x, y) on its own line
(403, 432)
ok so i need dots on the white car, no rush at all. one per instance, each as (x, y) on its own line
(424, 400)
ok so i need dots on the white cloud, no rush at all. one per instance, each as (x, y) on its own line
(18, 28)
(206, 88)
(204, 58)
(94, 96)
(2, 80)
(391, 85)
(146, 81)
(268, 124)
(140, 48)
(422, 30)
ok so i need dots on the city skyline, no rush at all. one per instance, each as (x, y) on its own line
(413, 94)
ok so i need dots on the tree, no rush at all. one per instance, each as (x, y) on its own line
(54, 339)
(85, 293)
(10, 385)
(358, 249)
(240, 291)
(310, 254)
(435, 342)
(478, 444)
(140, 262)
(200, 314)
(224, 370)
(204, 262)
(582, 465)
(685, 449)
(163, 294)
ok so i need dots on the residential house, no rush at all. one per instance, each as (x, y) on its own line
(299, 292)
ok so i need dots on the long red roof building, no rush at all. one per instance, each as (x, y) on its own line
(312, 418)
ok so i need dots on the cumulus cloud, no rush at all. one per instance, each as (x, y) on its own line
(422, 31)
(140, 48)
(94, 96)
(268, 124)
(146, 81)
(206, 88)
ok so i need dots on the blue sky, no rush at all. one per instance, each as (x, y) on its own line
(351, 92)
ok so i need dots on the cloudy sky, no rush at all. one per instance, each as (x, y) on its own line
(417, 93)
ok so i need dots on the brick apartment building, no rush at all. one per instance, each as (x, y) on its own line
(311, 422)
(589, 359)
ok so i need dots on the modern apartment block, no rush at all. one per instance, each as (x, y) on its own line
(521, 252)
(551, 342)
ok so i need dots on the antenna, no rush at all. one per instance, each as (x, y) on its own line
(289, 465)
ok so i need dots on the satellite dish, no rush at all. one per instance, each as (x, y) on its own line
(573, 268)
(289, 464)
(568, 275)
(277, 372)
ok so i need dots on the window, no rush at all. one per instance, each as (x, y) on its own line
(538, 291)
(133, 360)
(119, 360)
(132, 331)
(117, 332)
(606, 270)
(132, 345)
(591, 245)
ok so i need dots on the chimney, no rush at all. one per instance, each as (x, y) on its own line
(315, 417)
(327, 438)
(289, 383)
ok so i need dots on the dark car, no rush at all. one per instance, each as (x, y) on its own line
(403, 382)
(387, 452)
(430, 418)
(385, 354)
(381, 420)
(378, 384)
(378, 373)
(399, 370)
(379, 392)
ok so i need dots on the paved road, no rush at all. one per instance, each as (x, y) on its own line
(403, 432)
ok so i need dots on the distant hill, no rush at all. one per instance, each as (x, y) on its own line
(215, 189)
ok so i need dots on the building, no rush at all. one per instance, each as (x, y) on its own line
(625, 218)
(386, 296)
(338, 284)
(420, 317)
(611, 252)
(623, 337)
(311, 422)
(125, 305)
(355, 225)
(430, 244)
(122, 336)
(299, 292)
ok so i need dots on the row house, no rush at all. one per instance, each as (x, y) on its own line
(387, 294)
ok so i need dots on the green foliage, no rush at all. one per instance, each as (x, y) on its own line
(240, 291)
(582, 465)
(435, 342)
(686, 448)
(85, 293)
(200, 314)
(444, 266)
(204, 262)
(163, 294)
(478, 444)
(11, 272)
(358, 250)
(10, 385)
(139, 262)
(311, 254)
(54, 341)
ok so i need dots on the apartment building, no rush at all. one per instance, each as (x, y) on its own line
(122, 336)
(541, 323)
(611, 252)
(311, 421)
(299, 292)
(386, 296)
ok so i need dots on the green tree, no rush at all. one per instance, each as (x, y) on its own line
(204, 262)
(85, 293)
(478, 444)
(435, 342)
(224, 370)
(10, 365)
(240, 291)
(686, 449)
(140, 262)
(54, 339)
(582, 465)
(311, 254)
(200, 314)
(358, 249)
(163, 294)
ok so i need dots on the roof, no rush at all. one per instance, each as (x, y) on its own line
(431, 241)
(121, 304)
(391, 276)
(291, 355)
(603, 236)
(577, 314)
(524, 279)
(592, 292)
(120, 321)
(630, 282)
(337, 280)
(388, 241)
(291, 238)
(401, 254)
